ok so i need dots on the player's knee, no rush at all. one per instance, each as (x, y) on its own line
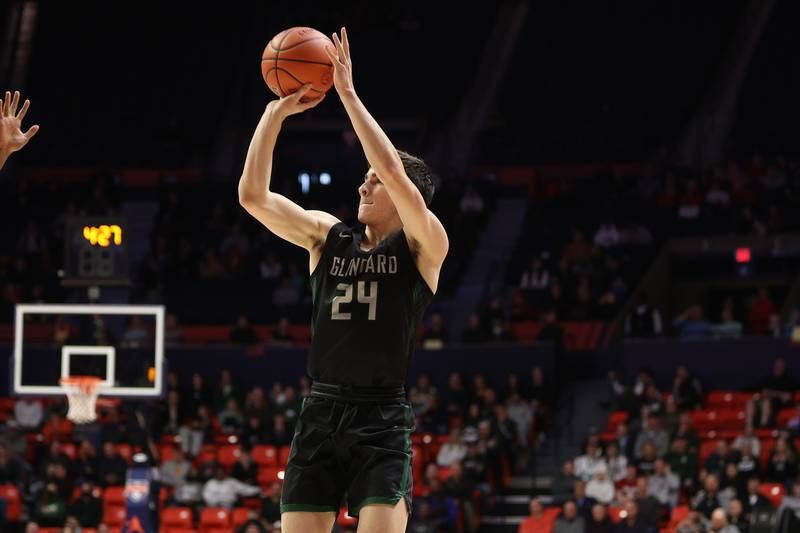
(301, 522)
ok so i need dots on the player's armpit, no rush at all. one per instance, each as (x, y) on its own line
(305, 228)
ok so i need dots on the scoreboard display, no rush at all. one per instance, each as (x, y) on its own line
(96, 251)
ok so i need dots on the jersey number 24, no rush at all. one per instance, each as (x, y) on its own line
(361, 296)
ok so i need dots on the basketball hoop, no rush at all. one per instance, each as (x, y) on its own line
(82, 394)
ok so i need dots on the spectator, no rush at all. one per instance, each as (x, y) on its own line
(628, 485)
(564, 485)
(691, 324)
(737, 518)
(687, 390)
(732, 483)
(269, 268)
(664, 485)
(423, 521)
(625, 441)
(175, 471)
(682, 463)
(600, 522)
(62, 331)
(173, 334)
(245, 469)
(578, 250)
(648, 508)
(569, 521)
(225, 390)
(286, 295)
(522, 416)
(136, 335)
(536, 521)
(722, 455)
(475, 332)
(51, 508)
(271, 507)
(537, 278)
(600, 488)
(424, 398)
(10, 468)
(254, 433)
(231, 419)
(654, 435)
(748, 465)
(719, 523)
(748, 437)
(88, 508)
(643, 322)
(728, 327)
(760, 310)
(776, 393)
(461, 489)
(223, 491)
(189, 493)
(433, 337)
(686, 432)
(617, 464)
(632, 522)
(86, 466)
(111, 467)
(782, 465)
(199, 395)
(588, 464)
(452, 451)
(243, 333)
(708, 499)
(28, 413)
(754, 499)
(607, 235)
(280, 336)
(582, 502)
(280, 434)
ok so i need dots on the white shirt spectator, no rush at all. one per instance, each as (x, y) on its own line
(174, 472)
(607, 235)
(752, 440)
(223, 492)
(664, 488)
(450, 454)
(586, 467)
(471, 202)
(600, 488)
(535, 279)
(616, 467)
(28, 413)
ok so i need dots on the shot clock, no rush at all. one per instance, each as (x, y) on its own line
(96, 251)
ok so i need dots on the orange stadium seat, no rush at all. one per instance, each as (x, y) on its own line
(265, 455)
(227, 455)
(176, 517)
(214, 517)
(114, 516)
(268, 475)
(114, 496)
(240, 516)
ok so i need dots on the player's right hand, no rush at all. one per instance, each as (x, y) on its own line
(11, 136)
(293, 104)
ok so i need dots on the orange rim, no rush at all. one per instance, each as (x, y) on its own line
(84, 383)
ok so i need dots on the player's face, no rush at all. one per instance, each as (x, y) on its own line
(374, 203)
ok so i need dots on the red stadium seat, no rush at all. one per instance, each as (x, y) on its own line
(774, 492)
(267, 475)
(208, 454)
(165, 452)
(69, 449)
(727, 399)
(706, 448)
(283, 457)
(678, 515)
(227, 455)
(615, 514)
(114, 496)
(616, 418)
(767, 445)
(125, 451)
(265, 455)
(214, 517)
(784, 415)
(239, 516)
(114, 516)
(345, 520)
(176, 517)
(14, 507)
(175, 530)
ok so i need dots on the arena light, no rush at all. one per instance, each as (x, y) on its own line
(305, 182)
(743, 255)
(281, 474)
(325, 178)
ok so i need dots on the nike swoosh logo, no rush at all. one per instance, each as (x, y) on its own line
(344, 235)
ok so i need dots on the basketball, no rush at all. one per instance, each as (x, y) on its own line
(295, 57)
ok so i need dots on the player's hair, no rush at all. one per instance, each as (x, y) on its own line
(420, 173)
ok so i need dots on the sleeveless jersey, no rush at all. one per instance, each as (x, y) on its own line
(366, 308)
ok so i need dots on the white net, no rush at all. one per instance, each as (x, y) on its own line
(82, 395)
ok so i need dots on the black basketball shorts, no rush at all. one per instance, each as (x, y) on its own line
(349, 444)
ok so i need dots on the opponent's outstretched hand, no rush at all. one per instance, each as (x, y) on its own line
(293, 103)
(11, 137)
(342, 65)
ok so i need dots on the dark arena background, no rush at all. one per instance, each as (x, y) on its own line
(614, 345)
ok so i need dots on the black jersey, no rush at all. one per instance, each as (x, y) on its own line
(366, 309)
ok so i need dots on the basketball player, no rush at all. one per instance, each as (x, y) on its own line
(370, 289)
(11, 137)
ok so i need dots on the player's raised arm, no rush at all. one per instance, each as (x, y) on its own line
(280, 215)
(418, 221)
(11, 137)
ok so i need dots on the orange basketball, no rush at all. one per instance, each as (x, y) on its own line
(295, 57)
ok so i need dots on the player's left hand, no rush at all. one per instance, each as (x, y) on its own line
(11, 137)
(342, 65)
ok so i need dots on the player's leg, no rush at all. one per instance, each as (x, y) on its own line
(300, 522)
(378, 518)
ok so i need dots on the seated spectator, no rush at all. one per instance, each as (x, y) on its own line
(243, 333)
(691, 324)
(51, 508)
(748, 437)
(686, 432)
(175, 471)
(600, 488)
(286, 295)
(280, 335)
(761, 308)
(643, 322)
(28, 413)
(223, 491)
(607, 235)
(62, 331)
(687, 390)
(433, 337)
(722, 455)
(578, 250)
(189, 493)
(588, 464)
(136, 335)
(728, 327)
(475, 332)
(732, 483)
(683, 463)
(754, 499)
(271, 505)
(664, 485)
(10, 468)
(245, 469)
(648, 508)
(173, 334)
(625, 441)
(775, 394)
(424, 399)
(652, 401)
(111, 467)
(536, 521)
(628, 485)
(737, 518)
(632, 522)
(231, 419)
(423, 520)
(719, 523)
(653, 434)
(86, 463)
(461, 489)
(600, 522)
(452, 451)
(782, 465)
(582, 502)
(195, 432)
(749, 464)
(88, 508)
(522, 416)
(535, 278)
(708, 499)
(617, 464)
(569, 521)
(280, 435)
(564, 484)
